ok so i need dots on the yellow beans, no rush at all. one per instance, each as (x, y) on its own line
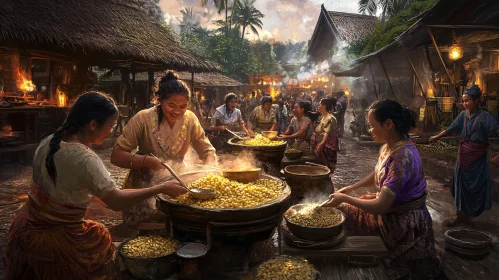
(150, 247)
(232, 194)
(310, 216)
(286, 268)
(259, 140)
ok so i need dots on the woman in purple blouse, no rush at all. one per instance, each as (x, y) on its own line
(397, 211)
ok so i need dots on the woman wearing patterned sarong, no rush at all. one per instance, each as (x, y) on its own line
(471, 184)
(168, 131)
(49, 237)
(325, 138)
(398, 210)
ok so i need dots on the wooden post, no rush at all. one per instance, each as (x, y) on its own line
(51, 79)
(374, 82)
(417, 78)
(192, 83)
(150, 85)
(387, 77)
(134, 93)
(451, 81)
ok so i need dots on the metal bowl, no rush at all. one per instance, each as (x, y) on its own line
(269, 134)
(313, 233)
(149, 268)
(243, 176)
(293, 155)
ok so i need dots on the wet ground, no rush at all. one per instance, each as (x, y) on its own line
(354, 162)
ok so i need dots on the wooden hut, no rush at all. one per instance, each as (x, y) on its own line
(47, 49)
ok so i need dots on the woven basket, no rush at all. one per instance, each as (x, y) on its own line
(465, 242)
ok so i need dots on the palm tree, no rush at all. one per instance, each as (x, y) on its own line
(189, 21)
(220, 5)
(246, 15)
(390, 7)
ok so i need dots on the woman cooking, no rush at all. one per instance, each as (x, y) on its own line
(471, 184)
(167, 130)
(49, 237)
(300, 128)
(262, 118)
(325, 138)
(398, 210)
(229, 117)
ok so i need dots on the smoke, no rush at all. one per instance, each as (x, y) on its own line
(241, 161)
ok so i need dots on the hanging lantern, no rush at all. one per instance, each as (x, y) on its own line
(455, 51)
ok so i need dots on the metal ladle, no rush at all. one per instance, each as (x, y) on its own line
(237, 135)
(195, 192)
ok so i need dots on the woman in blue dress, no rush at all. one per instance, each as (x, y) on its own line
(471, 184)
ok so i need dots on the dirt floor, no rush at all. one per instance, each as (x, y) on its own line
(354, 162)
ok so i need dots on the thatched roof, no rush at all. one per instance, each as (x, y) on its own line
(200, 79)
(106, 32)
(352, 27)
(336, 29)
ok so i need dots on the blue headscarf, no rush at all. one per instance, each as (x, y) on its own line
(474, 92)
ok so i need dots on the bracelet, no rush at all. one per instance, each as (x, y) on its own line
(144, 160)
(131, 161)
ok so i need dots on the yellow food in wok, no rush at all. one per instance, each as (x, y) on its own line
(150, 247)
(286, 268)
(232, 194)
(259, 140)
(313, 216)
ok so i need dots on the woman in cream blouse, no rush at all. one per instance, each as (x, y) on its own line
(167, 131)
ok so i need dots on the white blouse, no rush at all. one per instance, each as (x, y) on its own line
(80, 174)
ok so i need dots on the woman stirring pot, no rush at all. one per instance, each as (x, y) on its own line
(229, 117)
(262, 118)
(167, 130)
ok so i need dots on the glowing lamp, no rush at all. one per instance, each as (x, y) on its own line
(455, 52)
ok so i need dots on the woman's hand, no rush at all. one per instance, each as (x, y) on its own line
(172, 188)
(336, 199)
(319, 148)
(251, 132)
(221, 128)
(344, 190)
(153, 163)
(434, 138)
(283, 136)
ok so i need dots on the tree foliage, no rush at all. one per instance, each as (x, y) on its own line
(398, 22)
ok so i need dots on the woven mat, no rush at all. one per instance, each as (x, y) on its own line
(297, 242)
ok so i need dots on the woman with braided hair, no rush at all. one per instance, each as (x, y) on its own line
(168, 130)
(471, 184)
(49, 237)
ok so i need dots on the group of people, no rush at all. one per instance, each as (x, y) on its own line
(316, 126)
(50, 238)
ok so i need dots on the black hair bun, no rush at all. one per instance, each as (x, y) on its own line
(170, 75)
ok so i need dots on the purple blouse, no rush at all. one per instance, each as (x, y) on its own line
(401, 171)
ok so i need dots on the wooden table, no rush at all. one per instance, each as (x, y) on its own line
(352, 246)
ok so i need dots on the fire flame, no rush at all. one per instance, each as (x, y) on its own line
(62, 98)
(24, 84)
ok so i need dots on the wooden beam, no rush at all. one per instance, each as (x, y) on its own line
(387, 77)
(464, 26)
(374, 82)
(417, 78)
(150, 84)
(451, 81)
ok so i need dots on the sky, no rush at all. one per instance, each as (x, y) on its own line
(284, 19)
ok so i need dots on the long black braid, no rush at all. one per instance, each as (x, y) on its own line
(168, 86)
(89, 106)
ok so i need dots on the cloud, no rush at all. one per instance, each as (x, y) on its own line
(284, 19)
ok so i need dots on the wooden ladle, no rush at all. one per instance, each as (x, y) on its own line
(197, 193)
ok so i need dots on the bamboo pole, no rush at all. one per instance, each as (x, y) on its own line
(387, 77)
(451, 81)
(374, 82)
(417, 78)
(192, 83)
